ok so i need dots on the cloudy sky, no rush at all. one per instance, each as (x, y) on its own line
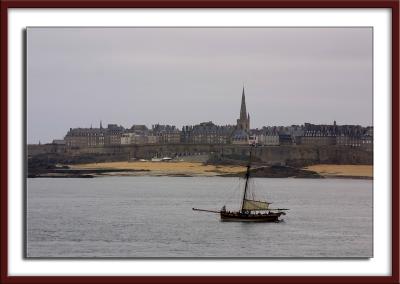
(181, 76)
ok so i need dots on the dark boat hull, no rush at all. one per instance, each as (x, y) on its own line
(240, 217)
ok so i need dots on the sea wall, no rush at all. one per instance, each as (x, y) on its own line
(271, 155)
(36, 149)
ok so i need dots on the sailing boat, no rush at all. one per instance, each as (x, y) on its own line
(251, 210)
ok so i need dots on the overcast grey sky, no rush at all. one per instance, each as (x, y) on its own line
(181, 76)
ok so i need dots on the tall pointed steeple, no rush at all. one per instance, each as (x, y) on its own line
(244, 120)
(243, 112)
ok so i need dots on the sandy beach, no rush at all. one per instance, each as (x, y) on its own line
(164, 168)
(360, 171)
(199, 169)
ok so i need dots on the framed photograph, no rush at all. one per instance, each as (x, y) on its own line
(200, 141)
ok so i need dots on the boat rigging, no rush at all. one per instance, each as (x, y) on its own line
(251, 210)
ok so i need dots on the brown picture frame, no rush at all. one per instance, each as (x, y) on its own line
(104, 4)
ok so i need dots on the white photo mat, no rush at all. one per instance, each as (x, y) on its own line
(379, 19)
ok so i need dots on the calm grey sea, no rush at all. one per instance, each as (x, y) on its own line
(153, 217)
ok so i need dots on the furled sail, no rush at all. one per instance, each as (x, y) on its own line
(254, 205)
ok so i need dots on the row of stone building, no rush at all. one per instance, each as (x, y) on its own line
(94, 137)
(209, 133)
(113, 135)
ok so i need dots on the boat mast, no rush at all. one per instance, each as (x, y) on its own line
(247, 179)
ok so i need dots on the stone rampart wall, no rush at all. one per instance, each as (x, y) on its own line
(283, 155)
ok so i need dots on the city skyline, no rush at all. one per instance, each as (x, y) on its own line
(78, 77)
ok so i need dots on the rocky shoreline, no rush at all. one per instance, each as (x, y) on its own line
(66, 172)
(58, 166)
(260, 172)
(279, 172)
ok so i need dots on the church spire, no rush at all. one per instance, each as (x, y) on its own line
(244, 120)
(243, 112)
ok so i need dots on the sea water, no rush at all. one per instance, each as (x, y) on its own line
(136, 217)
